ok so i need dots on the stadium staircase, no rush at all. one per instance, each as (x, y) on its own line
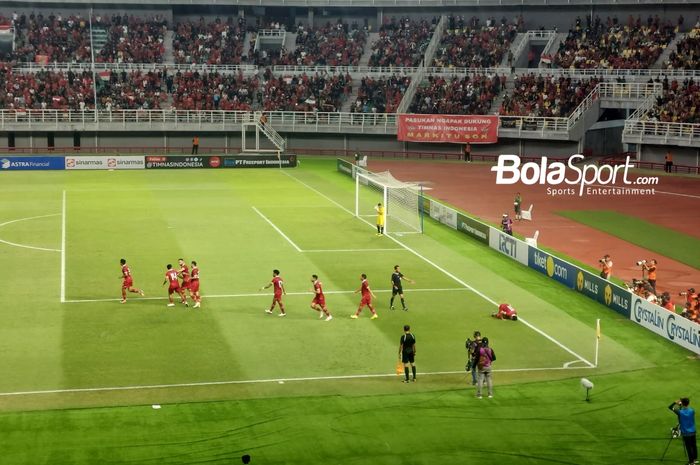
(516, 48)
(367, 53)
(290, 41)
(272, 135)
(553, 46)
(168, 56)
(99, 39)
(507, 89)
(670, 48)
(347, 104)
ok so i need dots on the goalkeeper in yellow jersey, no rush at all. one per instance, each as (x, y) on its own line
(380, 219)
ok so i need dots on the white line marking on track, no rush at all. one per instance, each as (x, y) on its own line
(63, 248)
(260, 294)
(447, 273)
(355, 250)
(14, 244)
(649, 186)
(298, 249)
(261, 381)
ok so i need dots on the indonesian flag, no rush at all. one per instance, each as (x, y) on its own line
(546, 59)
(42, 59)
(5, 28)
(104, 74)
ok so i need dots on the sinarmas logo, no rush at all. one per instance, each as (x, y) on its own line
(590, 179)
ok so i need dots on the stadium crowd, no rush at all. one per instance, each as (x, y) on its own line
(336, 44)
(217, 42)
(131, 91)
(679, 103)
(469, 44)
(45, 90)
(548, 96)
(468, 95)
(213, 91)
(687, 54)
(402, 42)
(612, 44)
(49, 38)
(132, 39)
(380, 95)
(321, 92)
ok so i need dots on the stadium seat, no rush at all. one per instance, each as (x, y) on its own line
(527, 214)
(533, 240)
(362, 161)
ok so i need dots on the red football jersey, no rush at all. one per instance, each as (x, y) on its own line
(506, 310)
(126, 271)
(195, 272)
(365, 288)
(318, 288)
(171, 275)
(185, 272)
(277, 284)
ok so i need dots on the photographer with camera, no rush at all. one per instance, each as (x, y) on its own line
(692, 304)
(667, 302)
(606, 265)
(472, 354)
(650, 268)
(486, 357)
(686, 421)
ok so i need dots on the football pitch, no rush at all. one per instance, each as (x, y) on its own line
(81, 372)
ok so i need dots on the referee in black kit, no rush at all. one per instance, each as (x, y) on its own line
(407, 352)
(397, 287)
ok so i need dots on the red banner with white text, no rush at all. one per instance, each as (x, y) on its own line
(456, 129)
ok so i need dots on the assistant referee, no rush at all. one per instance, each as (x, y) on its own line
(407, 352)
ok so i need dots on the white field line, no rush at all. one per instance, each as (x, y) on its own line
(447, 273)
(353, 250)
(298, 249)
(261, 381)
(63, 248)
(260, 294)
(14, 244)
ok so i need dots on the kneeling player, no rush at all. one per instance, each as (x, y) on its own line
(319, 302)
(506, 312)
(174, 286)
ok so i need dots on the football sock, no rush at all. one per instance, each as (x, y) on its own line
(414, 372)
(405, 370)
(379, 230)
(403, 303)
(391, 303)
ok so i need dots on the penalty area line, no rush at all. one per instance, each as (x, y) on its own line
(447, 273)
(262, 294)
(262, 381)
(298, 249)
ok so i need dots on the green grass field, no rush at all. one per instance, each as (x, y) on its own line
(664, 241)
(80, 376)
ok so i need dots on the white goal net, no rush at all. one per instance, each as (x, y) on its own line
(403, 212)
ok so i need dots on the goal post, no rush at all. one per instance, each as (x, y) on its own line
(403, 202)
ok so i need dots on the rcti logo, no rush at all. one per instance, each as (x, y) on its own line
(5, 163)
(509, 171)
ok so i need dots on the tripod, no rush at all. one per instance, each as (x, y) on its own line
(675, 433)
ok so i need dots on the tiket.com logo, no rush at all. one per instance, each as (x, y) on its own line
(550, 266)
(553, 174)
(5, 163)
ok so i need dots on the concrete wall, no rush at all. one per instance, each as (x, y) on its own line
(681, 155)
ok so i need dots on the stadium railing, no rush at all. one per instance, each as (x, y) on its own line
(649, 165)
(661, 132)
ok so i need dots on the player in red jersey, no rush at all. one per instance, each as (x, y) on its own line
(367, 295)
(184, 273)
(174, 286)
(194, 284)
(128, 281)
(506, 312)
(278, 287)
(319, 302)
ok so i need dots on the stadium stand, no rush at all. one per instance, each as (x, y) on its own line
(611, 44)
(213, 91)
(687, 54)
(679, 103)
(320, 92)
(468, 95)
(45, 90)
(402, 42)
(135, 90)
(51, 38)
(468, 44)
(336, 44)
(537, 95)
(131, 39)
(217, 42)
(380, 95)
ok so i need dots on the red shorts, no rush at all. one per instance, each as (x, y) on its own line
(185, 285)
(172, 289)
(194, 285)
(319, 301)
(277, 298)
(128, 282)
(366, 300)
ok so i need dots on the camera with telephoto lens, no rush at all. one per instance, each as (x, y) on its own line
(602, 260)
(689, 291)
(641, 262)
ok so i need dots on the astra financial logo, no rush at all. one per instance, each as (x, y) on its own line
(5, 163)
(570, 179)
